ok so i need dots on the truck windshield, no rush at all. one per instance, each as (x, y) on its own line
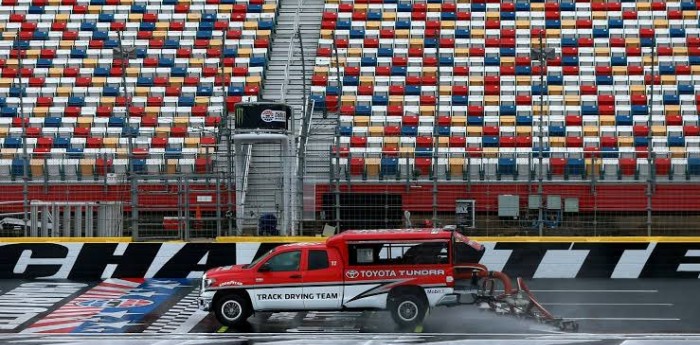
(262, 257)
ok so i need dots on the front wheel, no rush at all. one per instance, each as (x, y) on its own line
(408, 311)
(232, 310)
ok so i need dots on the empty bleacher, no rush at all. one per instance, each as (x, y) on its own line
(66, 93)
(459, 78)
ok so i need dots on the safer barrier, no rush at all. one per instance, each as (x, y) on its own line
(526, 257)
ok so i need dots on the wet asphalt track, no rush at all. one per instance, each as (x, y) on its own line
(608, 311)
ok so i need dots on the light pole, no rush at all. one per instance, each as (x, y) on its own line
(25, 157)
(650, 167)
(436, 137)
(225, 130)
(541, 53)
(125, 53)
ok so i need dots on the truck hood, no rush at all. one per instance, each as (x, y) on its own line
(224, 270)
(229, 276)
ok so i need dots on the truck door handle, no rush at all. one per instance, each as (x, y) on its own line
(295, 276)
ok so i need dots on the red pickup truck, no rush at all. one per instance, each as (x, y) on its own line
(406, 271)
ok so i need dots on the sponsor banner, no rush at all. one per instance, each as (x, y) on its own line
(113, 306)
(95, 261)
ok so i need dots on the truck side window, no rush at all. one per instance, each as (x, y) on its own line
(288, 261)
(318, 260)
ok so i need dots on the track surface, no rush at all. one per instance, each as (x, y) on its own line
(167, 306)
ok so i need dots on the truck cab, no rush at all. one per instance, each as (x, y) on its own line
(406, 271)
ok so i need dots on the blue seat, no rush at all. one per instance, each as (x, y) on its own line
(100, 35)
(111, 43)
(507, 15)
(640, 110)
(101, 72)
(555, 80)
(492, 61)
(368, 61)
(351, 80)
(447, 61)
(171, 43)
(604, 80)
(641, 141)
(459, 100)
(385, 52)
(74, 152)
(540, 90)
(475, 120)
(238, 91)
(230, 52)
(557, 131)
(345, 131)
(429, 42)
(523, 70)
(76, 101)
(78, 53)
(390, 166)
(3, 101)
(523, 120)
(412, 90)
(404, 7)
(567, 6)
(615, 23)
(601, 33)
(139, 166)
(676, 32)
(506, 51)
(686, 89)
(618, 60)
(443, 130)
(521, 6)
(448, 16)
(61, 143)
(266, 24)
(609, 152)
(575, 166)
(380, 100)
(552, 24)
(115, 122)
(569, 42)
(506, 166)
(205, 91)
(178, 71)
(462, 33)
(536, 151)
(694, 60)
(16, 91)
(257, 61)
(147, 26)
(589, 110)
(343, 24)
(676, 141)
(130, 132)
(208, 17)
(694, 166)
(667, 70)
(138, 8)
(87, 26)
(569, 61)
(8, 112)
(507, 110)
(21, 45)
(144, 81)
(357, 33)
(173, 152)
(424, 152)
(363, 110)
(12, 143)
(623, 120)
(688, 6)
(40, 36)
(478, 7)
(204, 35)
(53, 122)
(646, 42)
(166, 62)
(18, 165)
(111, 91)
(672, 100)
(398, 71)
(44, 63)
(332, 90)
(409, 131)
(489, 141)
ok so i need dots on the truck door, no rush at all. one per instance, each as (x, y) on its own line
(278, 283)
(323, 280)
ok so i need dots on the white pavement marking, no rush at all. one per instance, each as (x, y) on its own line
(191, 322)
(613, 304)
(595, 291)
(623, 318)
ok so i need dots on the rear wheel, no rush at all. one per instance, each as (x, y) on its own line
(408, 310)
(232, 310)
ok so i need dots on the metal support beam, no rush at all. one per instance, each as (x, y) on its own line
(650, 165)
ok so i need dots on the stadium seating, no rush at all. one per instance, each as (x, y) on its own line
(412, 77)
(70, 82)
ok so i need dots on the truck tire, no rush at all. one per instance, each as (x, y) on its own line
(408, 310)
(232, 310)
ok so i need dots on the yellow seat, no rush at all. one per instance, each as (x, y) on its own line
(476, 81)
(269, 8)
(326, 34)
(84, 122)
(593, 166)
(391, 142)
(619, 70)
(99, 81)
(402, 33)
(389, 16)
(658, 130)
(434, 8)
(366, 80)
(474, 131)
(191, 142)
(625, 141)
(395, 100)
(106, 100)
(690, 14)
(544, 110)
(171, 166)
(427, 110)
(160, 34)
(557, 141)
(41, 112)
(406, 152)
(456, 166)
(490, 152)
(194, 17)
(603, 51)
(7, 153)
(607, 120)
(444, 141)
(372, 166)
(376, 131)
(135, 17)
(677, 152)
(459, 121)
(373, 25)
(36, 166)
(555, 89)
(94, 9)
(349, 100)
(637, 89)
(492, 100)
(142, 91)
(598, 15)
(672, 109)
(162, 26)
(661, 24)
(680, 51)
(448, 25)
(590, 131)
(133, 71)
(568, 24)
(64, 91)
(522, 24)
(89, 63)
(643, 6)
(154, 111)
(523, 130)
(112, 143)
(478, 33)
(523, 80)
(87, 166)
(361, 121)
(445, 90)
(228, 8)
(507, 120)
(162, 132)
(668, 80)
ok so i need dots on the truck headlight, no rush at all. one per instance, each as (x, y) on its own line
(206, 282)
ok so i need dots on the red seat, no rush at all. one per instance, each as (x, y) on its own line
(574, 120)
(508, 141)
(202, 165)
(557, 166)
(178, 131)
(149, 121)
(104, 111)
(81, 132)
(212, 121)
(199, 110)
(663, 166)
(44, 142)
(607, 141)
(44, 101)
(523, 100)
(691, 130)
(93, 143)
(159, 142)
(358, 142)
(410, 120)
(629, 15)
(424, 141)
(347, 110)
(103, 166)
(458, 142)
(394, 110)
(523, 141)
(574, 141)
(357, 166)
(491, 130)
(628, 166)
(640, 130)
(423, 165)
(392, 131)
(475, 110)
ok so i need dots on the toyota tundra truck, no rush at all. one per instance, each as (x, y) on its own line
(404, 271)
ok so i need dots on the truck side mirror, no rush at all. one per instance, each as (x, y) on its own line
(265, 267)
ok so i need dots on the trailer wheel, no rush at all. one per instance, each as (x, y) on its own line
(232, 310)
(408, 310)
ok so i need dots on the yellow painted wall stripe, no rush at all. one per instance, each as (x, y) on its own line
(290, 239)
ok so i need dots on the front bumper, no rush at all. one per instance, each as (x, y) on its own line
(204, 300)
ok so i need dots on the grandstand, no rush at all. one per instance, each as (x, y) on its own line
(587, 112)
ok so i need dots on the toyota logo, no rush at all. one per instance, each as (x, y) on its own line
(352, 274)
